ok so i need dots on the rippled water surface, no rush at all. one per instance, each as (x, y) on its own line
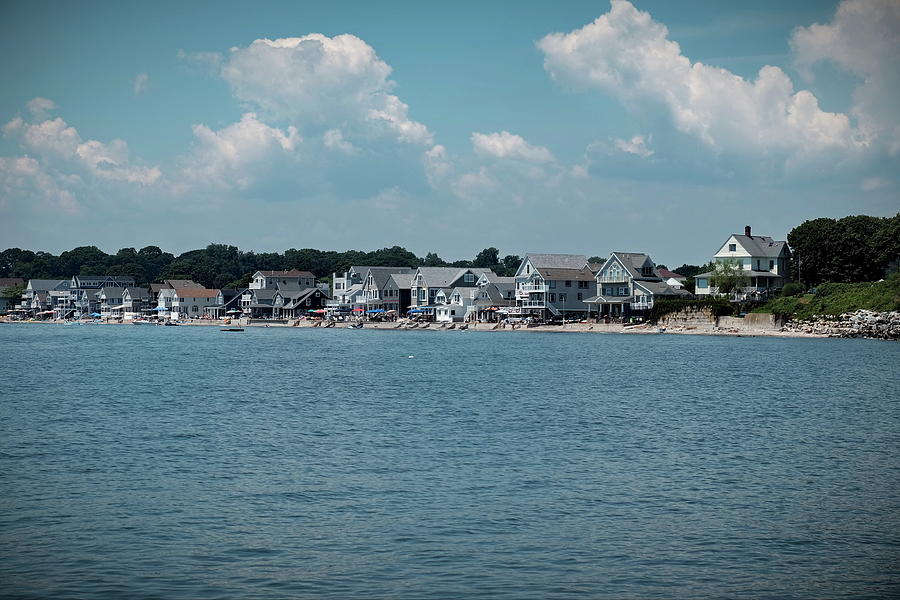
(155, 462)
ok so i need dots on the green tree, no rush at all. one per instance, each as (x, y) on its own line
(12, 294)
(728, 276)
(433, 260)
(487, 258)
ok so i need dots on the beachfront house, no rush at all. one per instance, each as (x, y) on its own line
(762, 262)
(273, 280)
(628, 284)
(382, 293)
(134, 301)
(228, 302)
(170, 284)
(110, 301)
(427, 282)
(553, 285)
(192, 302)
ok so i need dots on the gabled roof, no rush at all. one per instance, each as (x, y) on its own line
(182, 283)
(111, 292)
(401, 280)
(583, 274)
(137, 293)
(192, 292)
(633, 262)
(760, 245)
(291, 273)
(443, 277)
(381, 275)
(667, 274)
(661, 289)
(557, 261)
(44, 284)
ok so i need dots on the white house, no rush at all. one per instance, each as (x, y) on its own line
(549, 285)
(191, 303)
(762, 261)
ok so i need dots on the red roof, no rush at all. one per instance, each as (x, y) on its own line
(667, 274)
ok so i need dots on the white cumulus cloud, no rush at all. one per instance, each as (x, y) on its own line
(322, 80)
(627, 54)
(863, 38)
(636, 145)
(508, 145)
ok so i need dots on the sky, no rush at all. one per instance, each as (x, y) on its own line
(571, 127)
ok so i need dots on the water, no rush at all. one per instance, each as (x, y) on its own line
(152, 462)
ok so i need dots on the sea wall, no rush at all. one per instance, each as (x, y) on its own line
(704, 319)
(690, 318)
(861, 323)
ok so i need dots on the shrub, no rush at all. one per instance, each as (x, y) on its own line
(792, 289)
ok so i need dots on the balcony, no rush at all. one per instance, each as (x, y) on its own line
(614, 278)
(531, 288)
(532, 304)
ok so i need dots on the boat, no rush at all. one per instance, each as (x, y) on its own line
(355, 326)
(171, 324)
(142, 322)
(231, 329)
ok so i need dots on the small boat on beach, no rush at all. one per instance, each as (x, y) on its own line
(231, 329)
(355, 326)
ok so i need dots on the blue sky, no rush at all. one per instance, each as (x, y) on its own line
(581, 127)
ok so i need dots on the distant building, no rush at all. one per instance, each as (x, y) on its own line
(762, 261)
(553, 285)
(628, 284)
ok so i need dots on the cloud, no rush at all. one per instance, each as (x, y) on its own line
(508, 145)
(23, 178)
(864, 39)
(636, 145)
(873, 184)
(311, 80)
(334, 140)
(628, 55)
(141, 84)
(239, 155)
(60, 144)
(40, 108)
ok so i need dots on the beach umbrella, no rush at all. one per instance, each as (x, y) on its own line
(320, 311)
(96, 315)
(357, 310)
(233, 311)
(375, 310)
(160, 309)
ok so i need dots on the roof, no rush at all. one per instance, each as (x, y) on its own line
(760, 245)
(193, 292)
(44, 284)
(6, 282)
(291, 273)
(381, 275)
(137, 293)
(182, 283)
(667, 274)
(557, 261)
(659, 288)
(444, 277)
(112, 292)
(582, 274)
(401, 280)
(633, 261)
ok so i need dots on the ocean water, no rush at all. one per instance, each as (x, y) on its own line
(155, 462)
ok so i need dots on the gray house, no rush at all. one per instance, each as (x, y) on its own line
(628, 284)
(553, 285)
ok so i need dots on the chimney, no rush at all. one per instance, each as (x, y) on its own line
(747, 231)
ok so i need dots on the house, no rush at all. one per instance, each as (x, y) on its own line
(762, 261)
(271, 280)
(171, 284)
(192, 302)
(134, 301)
(228, 300)
(428, 282)
(36, 296)
(110, 301)
(289, 303)
(494, 296)
(676, 280)
(381, 292)
(628, 284)
(96, 282)
(553, 285)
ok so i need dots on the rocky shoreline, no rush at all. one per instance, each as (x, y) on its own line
(857, 324)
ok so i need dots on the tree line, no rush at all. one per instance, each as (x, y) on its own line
(221, 265)
(851, 249)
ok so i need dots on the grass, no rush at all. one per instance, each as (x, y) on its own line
(838, 298)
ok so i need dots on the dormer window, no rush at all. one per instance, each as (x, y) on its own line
(732, 247)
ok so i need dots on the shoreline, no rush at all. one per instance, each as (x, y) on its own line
(577, 328)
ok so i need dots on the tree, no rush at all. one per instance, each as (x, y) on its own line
(728, 276)
(433, 260)
(511, 263)
(487, 258)
(13, 294)
(597, 259)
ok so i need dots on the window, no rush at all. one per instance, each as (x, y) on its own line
(623, 291)
(552, 284)
(568, 283)
(702, 283)
(194, 308)
(527, 269)
(582, 285)
(469, 278)
(771, 265)
(552, 297)
(580, 296)
(563, 297)
(732, 247)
